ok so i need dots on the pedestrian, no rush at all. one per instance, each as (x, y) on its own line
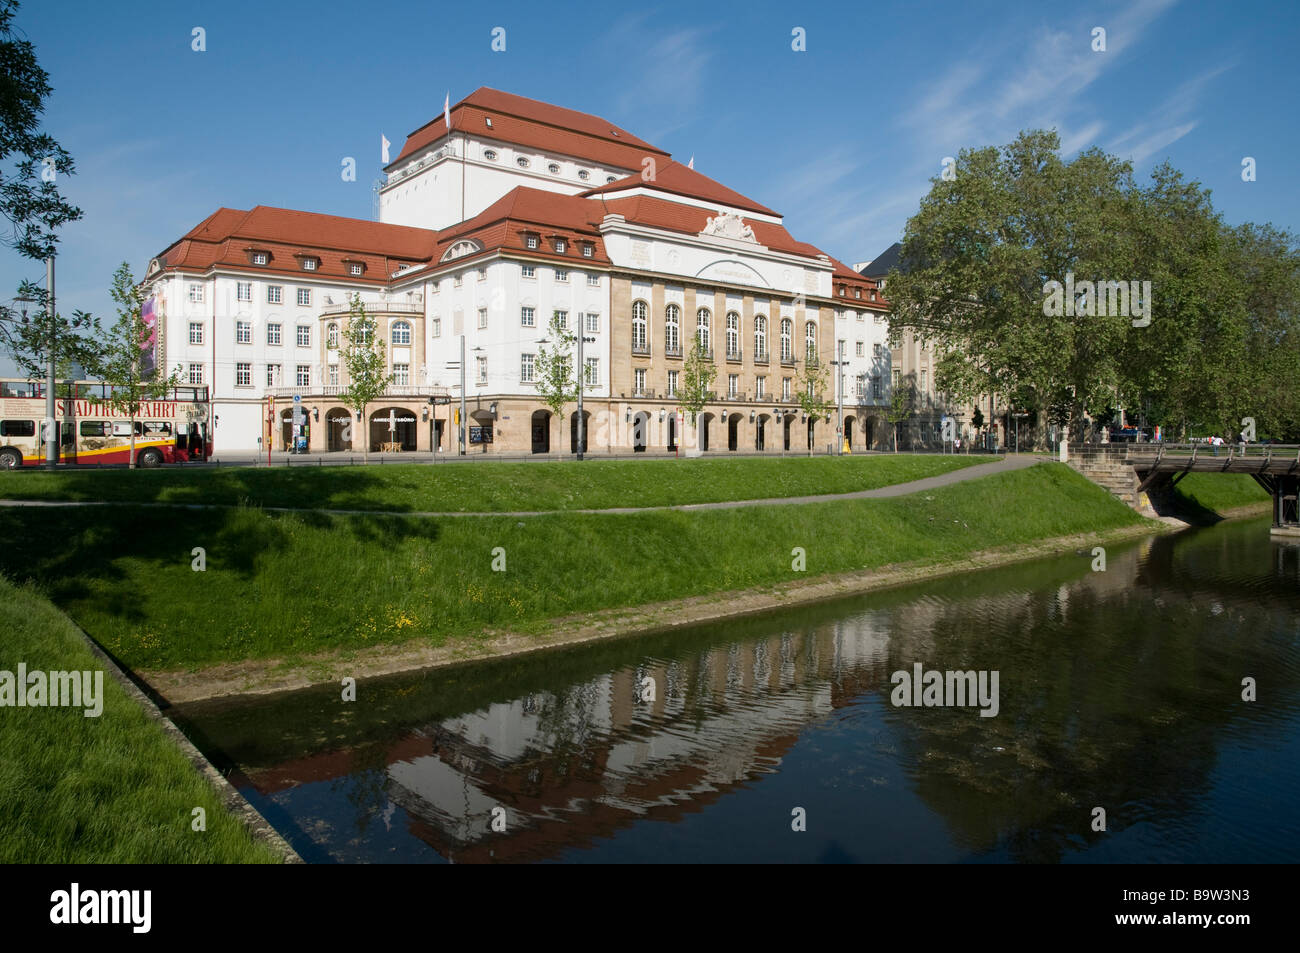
(1214, 442)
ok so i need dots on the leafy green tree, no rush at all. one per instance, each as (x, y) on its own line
(27, 338)
(31, 162)
(810, 390)
(367, 367)
(131, 379)
(698, 373)
(556, 383)
(902, 404)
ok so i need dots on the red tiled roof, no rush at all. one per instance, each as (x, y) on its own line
(674, 216)
(675, 178)
(527, 122)
(549, 215)
(225, 237)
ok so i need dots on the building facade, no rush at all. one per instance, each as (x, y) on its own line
(519, 212)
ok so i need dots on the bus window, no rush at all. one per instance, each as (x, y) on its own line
(20, 389)
(17, 428)
(67, 439)
(153, 427)
(122, 428)
(94, 428)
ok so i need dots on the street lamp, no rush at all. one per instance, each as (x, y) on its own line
(839, 403)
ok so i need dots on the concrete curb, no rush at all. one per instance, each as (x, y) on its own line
(231, 799)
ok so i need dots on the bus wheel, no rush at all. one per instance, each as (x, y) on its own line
(10, 459)
(150, 458)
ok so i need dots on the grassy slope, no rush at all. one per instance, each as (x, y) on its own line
(1219, 492)
(487, 486)
(280, 585)
(111, 789)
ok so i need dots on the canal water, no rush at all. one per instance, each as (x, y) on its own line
(1119, 690)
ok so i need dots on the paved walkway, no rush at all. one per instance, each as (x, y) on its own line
(1008, 463)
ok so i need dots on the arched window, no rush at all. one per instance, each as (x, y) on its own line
(672, 329)
(401, 333)
(639, 312)
(703, 320)
(733, 334)
(760, 336)
(810, 341)
(787, 342)
(332, 336)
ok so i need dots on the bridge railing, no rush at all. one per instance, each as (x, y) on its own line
(1191, 452)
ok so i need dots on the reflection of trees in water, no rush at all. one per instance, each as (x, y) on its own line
(365, 785)
(1100, 705)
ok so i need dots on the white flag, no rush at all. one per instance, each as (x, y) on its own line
(383, 147)
(691, 164)
(446, 110)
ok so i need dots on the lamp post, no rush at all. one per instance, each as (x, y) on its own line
(580, 374)
(460, 431)
(839, 405)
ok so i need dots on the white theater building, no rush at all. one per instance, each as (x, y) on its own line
(521, 210)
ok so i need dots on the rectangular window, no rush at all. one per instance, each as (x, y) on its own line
(563, 318)
(561, 274)
(672, 383)
(273, 375)
(760, 387)
(334, 375)
(526, 368)
(195, 375)
(530, 241)
(259, 258)
(733, 385)
(401, 373)
(273, 334)
(592, 375)
(560, 246)
(587, 251)
(304, 335)
(785, 388)
(482, 369)
(303, 377)
(896, 375)
(860, 349)
(196, 332)
(243, 374)
(593, 281)
(923, 376)
(455, 282)
(528, 271)
(243, 332)
(639, 386)
(304, 297)
(309, 264)
(17, 428)
(437, 327)
(243, 291)
(482, 317)
(274, 294)
(875, 386)
(593, 322)
(482, 274)
(196, 294)
(876, 349)
(354, 269)
(95, 428)
(527, 318)
(862, 315)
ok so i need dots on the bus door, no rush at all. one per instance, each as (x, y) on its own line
(68, 441)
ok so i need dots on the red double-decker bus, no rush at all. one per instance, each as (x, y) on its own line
(173, 429)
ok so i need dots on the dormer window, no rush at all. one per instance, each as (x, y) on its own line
(857, 292)
(841, 291)
(530, 241)
(355, 268)
(488, 120)
(560, 246)
(587, 250)
(308, 262)
(258, 256)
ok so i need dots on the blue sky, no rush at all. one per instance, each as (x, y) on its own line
(843, 138)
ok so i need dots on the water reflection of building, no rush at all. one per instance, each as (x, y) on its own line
(576, 765)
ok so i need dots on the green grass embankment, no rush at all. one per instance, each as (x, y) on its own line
(491, 487)
(1219, 493)
(283, 585)
(111, 789)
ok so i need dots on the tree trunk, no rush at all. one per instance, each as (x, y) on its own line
(131, 454)
(365, 436)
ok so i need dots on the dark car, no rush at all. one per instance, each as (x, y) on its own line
(1128, 435)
